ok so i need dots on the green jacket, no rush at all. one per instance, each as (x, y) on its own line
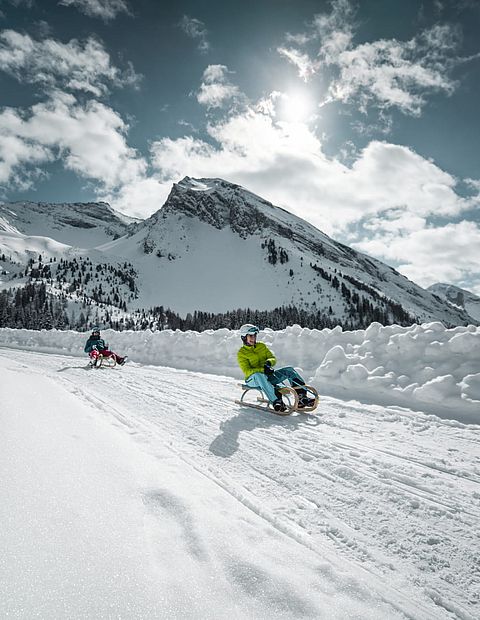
(252, 359)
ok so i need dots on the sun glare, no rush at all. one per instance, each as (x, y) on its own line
(296, 107)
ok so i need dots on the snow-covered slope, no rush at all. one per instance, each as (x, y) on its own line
(215, 246)
(80, 224)
(458, 297)
(83, 285)
(19, 248)
(146, 492)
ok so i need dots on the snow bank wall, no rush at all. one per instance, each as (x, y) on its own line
(425, 367)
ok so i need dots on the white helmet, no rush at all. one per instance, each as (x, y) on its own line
(248, 329)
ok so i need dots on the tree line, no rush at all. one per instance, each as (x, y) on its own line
(33, 307)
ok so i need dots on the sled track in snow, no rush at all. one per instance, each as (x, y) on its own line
(395, 492)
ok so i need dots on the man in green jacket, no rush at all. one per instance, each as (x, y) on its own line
(257, 362)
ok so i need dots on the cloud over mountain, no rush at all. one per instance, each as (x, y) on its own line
(89, 138)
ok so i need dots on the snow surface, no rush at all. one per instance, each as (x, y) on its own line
(217, 270)
(424, 367)
(145, 492)
(5, 226)
(20, 248)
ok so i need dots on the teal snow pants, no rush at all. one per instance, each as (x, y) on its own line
(267, 384)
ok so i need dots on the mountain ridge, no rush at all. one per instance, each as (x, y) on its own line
(214, 246)
(80, 224)
(282, 247)
(458, 297)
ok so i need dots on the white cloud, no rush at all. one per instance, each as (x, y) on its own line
(19, 157)
(386, 73)
(390, 175)
(89, 140)
(139, 198)
(215, 73)
(301, 38)
(449, 253)
(216, 88)
(390, 74)
(250, 146)
(105, 9)
(74, 66)
(474, 184)
(334, 30)
(268, 105)
(195, 29)
(395, 221)
(305, 65)
(382, 126)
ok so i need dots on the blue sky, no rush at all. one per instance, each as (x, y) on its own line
(361, 117)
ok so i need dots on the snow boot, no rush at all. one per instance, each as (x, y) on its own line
(302, 393)
(122, 360)
(278, 405)
(304, 401)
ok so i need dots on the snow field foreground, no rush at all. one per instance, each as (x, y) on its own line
(424, 367)
(145, 491)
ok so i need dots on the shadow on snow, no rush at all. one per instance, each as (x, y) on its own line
(226, 444)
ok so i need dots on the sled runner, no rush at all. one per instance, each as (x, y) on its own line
(99, 360)
(289, 397)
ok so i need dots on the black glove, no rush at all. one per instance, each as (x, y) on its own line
(267, 369)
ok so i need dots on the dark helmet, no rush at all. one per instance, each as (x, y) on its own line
(246, 330)
(95, 330)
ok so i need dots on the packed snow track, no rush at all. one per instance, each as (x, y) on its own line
(144, 491)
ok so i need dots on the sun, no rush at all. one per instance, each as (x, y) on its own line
(296, 107)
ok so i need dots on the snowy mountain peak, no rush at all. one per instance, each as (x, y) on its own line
(212, 235)
(220, 204)
(458, 297)
(203, 185)
(80, 224)
(200, 249)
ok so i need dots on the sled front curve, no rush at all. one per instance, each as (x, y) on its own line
(311, 393)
